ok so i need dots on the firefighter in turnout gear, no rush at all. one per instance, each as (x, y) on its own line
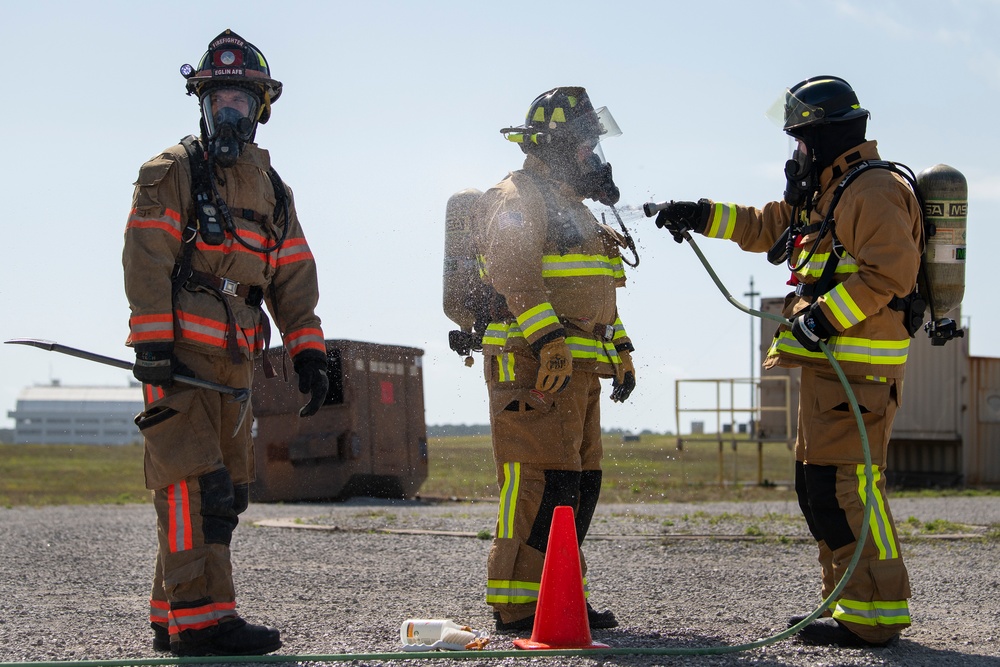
(212, 235)
(553, 332)
(854, 258)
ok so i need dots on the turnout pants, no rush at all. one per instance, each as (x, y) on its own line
(547, 450)
(199, 473)
(830, 482)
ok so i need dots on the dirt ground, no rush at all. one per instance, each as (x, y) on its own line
(339, 579)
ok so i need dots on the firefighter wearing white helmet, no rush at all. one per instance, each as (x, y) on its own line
(212, 232)
(553, 332)
(849, 277)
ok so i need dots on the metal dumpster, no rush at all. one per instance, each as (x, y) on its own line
(368, 439)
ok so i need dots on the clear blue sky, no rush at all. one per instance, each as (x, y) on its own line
(390, 107)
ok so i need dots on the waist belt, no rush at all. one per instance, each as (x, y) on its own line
(603, 332)
(253, 295)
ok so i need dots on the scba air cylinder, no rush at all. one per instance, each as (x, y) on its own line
(946, 203)
(461, 272)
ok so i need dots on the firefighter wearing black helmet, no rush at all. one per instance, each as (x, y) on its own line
(553, 331)
(851, 261)
(212, 233)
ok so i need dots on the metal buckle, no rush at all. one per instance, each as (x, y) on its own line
(229, 286)
(609, 333)
(799, 289)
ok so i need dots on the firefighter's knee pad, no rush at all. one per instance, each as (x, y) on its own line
(562, 487)
(241, 493)
(590, 492)
(829, 517)
(218, 506)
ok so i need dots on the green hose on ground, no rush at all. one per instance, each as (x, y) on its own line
(552, 653)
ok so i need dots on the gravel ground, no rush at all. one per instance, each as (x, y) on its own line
(341, 578)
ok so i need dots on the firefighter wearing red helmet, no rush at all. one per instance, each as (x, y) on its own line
(553, 332)
(854, 252)
(211, 236)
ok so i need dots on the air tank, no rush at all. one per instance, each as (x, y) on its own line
(461, 273)
(946, 202)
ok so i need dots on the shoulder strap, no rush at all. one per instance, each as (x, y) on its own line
(822, 286)
(200, 187)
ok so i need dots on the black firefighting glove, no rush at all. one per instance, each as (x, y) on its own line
(555, 366)
(311, 366)
(624, 380)
(156, 364)
(681, 215)
(811, 326)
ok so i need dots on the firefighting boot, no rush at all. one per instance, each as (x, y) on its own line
(600, 620)
(235, 637)
(161, 637)
(829, 632)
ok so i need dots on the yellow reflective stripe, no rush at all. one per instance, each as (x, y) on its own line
(593, 350)
(619, 267)
(877, 612)
(508, 591)
(847, 348)
(619, 330)
(879, 524)
(876, 378)
(537, 318)
(569, 266)
(505, 367)
(508, 499)
(843, 307)
(817, 264)
(721, 222)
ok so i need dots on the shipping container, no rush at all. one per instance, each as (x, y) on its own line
(368, 439)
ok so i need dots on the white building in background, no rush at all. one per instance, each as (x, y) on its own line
(54, 414)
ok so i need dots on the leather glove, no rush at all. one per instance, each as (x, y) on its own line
(624, 380)
(811, 327)
(156, 364)
(679, 216)
(555, 366)
(311, 365)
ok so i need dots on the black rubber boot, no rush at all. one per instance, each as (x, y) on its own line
(828, 632)
(521, 624)
(161, 637)
(236, 637)
(601, 620)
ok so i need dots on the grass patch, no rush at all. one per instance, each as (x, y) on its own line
(38, 475)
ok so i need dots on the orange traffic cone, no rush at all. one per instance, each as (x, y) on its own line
(561, 612)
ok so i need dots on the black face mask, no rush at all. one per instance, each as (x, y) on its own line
(801, 181)
(232, 131)
(596, 182)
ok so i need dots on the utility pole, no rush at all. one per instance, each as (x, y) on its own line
(753, 366)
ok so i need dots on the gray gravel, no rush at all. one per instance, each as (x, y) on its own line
(341, 578)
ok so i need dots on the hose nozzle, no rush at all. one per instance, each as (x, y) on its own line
(651, 208)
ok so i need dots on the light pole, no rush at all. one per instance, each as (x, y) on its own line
(753, 366)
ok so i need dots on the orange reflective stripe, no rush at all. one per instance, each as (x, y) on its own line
(196, 618)
(151, 327)
(305, 339)
(159, 611)
(179, 517)
(294, 250)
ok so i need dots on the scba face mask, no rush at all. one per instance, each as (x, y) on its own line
(801, 180)
(230, 116)
(595, 181)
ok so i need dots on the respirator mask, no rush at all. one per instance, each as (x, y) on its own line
(230, 116)
(801, 179)
(594, 179)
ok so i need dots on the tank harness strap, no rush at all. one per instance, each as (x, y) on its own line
(913, 304)
(184, 275)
